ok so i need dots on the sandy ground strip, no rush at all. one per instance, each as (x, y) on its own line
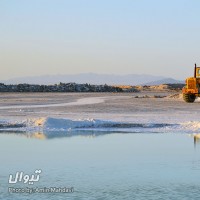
(109, 106)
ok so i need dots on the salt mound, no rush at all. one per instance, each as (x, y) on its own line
(39, 126)
(191, 125)
(160, 87)
(60, 123)
(175, 96)
(40, 121)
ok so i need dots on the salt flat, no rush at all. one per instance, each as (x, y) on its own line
(95, 108)
(121, 106)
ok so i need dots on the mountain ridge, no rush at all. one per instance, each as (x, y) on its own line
(165, 81)
(91, 78)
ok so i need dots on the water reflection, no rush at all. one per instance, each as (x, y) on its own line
(83, 133)
(60, 134)
(196, 139)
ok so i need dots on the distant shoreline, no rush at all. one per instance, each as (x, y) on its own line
(74, 87)
(61, 87)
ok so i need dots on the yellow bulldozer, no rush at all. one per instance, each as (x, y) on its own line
(192, 87)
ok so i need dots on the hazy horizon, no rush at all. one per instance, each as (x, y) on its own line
(106, 37)
(93, 78)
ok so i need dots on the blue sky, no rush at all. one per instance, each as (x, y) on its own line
(39, 37)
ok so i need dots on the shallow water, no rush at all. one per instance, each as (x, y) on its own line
(104, 166)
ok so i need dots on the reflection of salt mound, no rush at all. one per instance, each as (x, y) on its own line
(38, 135)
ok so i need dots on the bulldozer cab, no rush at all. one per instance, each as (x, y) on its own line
(197, 72)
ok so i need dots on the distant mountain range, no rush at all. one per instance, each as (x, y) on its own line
(165, 81)
(92, 78)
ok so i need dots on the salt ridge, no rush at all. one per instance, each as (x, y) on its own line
(62, 124)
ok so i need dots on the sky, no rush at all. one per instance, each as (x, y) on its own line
(46, 37)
